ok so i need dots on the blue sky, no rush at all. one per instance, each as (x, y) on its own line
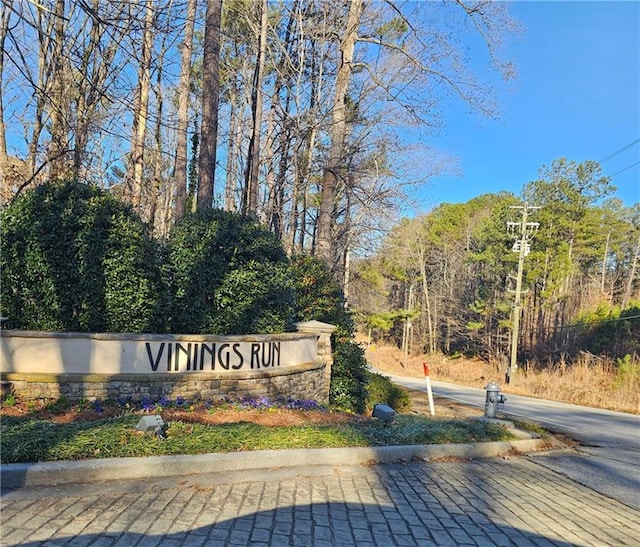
(577, 96)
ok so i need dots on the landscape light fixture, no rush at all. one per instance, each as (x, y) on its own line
(152, 424)
(383, 412)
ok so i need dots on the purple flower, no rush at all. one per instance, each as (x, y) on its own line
(124, 400)
(97, 406)
(147, 404)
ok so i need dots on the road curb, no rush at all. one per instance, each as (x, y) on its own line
(87, 471)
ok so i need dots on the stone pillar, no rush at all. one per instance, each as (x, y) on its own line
(323, 332)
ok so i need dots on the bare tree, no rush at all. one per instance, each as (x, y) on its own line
(334, 168)
(633, 276)
(210, 98)
(232, 147)
(141, 109)
(184, 87)
(250, 195)
(5, 11)
(330, 80)
(59, 103)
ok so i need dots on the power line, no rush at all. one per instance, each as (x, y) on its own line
(591, 323)
(621, 170)
(614, 154)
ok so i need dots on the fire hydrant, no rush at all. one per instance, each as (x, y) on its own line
(494, 398)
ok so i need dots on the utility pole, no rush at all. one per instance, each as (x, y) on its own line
(523, 231)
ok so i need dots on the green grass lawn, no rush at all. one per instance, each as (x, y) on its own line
(35, 439)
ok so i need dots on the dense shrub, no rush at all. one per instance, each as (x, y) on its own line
(319, 297)
(227, 275)
(349, 377)
(76, 259)
(382, 390)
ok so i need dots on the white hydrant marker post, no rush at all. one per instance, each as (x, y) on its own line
(426, 377)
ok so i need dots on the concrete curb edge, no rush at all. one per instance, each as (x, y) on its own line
(84, 471)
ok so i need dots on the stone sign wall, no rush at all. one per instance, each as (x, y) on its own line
(47, 365)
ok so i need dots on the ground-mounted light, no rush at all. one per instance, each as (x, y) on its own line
(384, 413)
(152, 424)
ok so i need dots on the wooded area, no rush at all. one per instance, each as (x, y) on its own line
(298, 113)
(448, 278)
(292, 111)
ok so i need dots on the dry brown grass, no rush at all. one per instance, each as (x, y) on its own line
(590, 381)
(265, 417)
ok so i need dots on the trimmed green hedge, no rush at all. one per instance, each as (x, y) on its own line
(227, 275)
(382, 390)
(74, 258)
(319, 297)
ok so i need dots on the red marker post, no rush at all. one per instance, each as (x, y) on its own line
(428, 381)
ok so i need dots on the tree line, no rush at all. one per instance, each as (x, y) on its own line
(295, 112)
(445, 281)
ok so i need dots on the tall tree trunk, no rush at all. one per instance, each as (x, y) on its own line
(331, 174)
(632, 274)
(88, 92)
(277, 208)
(210, 98)
(156, 185)
(303, 154)
(39, 93)
(180, 171)
(234, 138)
(5, 11)
(59, 136)
(276, 182)
(250, 201)
(603, 271)
(141, 110)
(290, 233)
(346, 248)
(267, 158)
(426, 299)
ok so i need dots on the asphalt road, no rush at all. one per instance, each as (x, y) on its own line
(607, 459)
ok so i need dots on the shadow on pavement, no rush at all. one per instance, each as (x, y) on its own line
(322, 524)
(414, 504)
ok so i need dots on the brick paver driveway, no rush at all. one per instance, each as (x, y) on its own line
(483, 502)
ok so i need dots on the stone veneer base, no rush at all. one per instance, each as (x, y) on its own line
(306, 382)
